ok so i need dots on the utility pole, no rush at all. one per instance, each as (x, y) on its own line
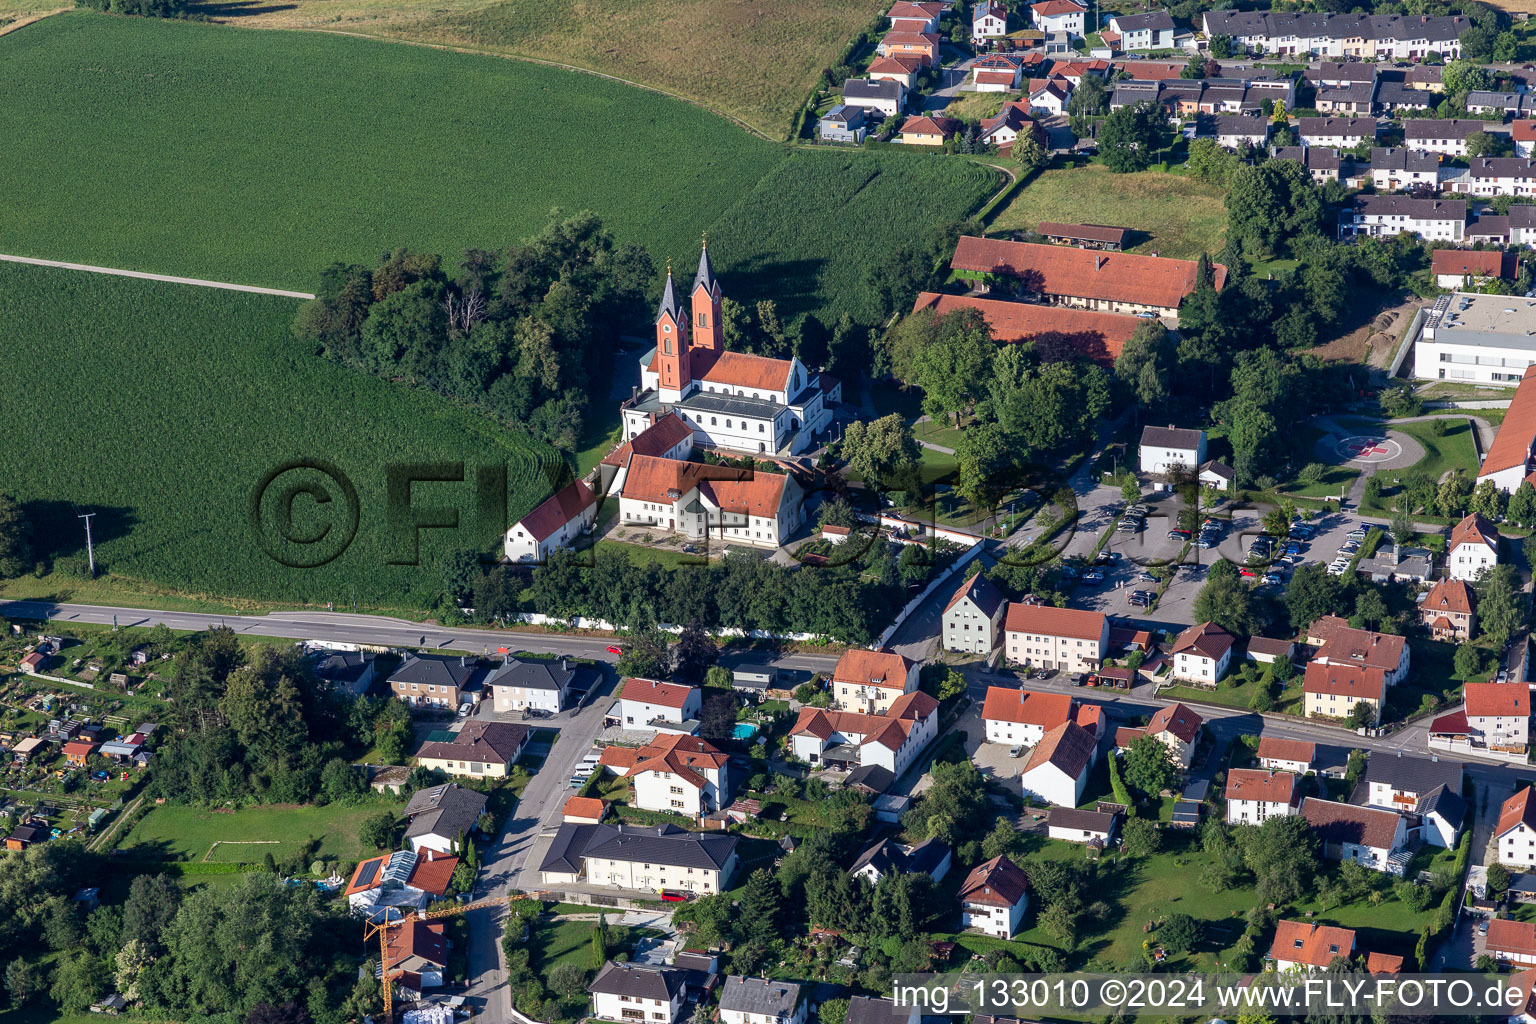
(90, 550)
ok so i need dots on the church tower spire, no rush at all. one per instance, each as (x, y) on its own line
(706, 304)
(671, 341)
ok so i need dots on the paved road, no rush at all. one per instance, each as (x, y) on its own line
(116, 272)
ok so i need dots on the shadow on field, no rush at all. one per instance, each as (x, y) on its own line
(793, 285)
(239, 8)
(58, 532)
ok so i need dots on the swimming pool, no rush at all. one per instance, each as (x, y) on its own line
(744, 731)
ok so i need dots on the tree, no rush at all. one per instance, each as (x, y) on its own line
(277, 1013)
(22, 981)
(151, 906)
(1149, 766)
(1522, 505)
(1089, 99)
(1117, 784)
(1030, 153)
(1180, 933)
(1476, 45)
(80, 980)
(695, 652)
(1272, 204)
(1468, 661)
(646, 656)
(340, 782)
(1498, 878)
(1141, 837)
(1221, 47)
(1193, 68)
(1130, 490)
(1487, 500)
(1002, 841)
(377, 831)
(567, 980)
(15, 539)
(953, 368)
(1228, 603)
(717, 720)
(1462, 76)
(1130, 137)
(1361, 715)
(1282, 854)
(834, 1011)
(1282, 669)
(1402, 529)
(882, 453)
(1498, 610)
(1311, 594)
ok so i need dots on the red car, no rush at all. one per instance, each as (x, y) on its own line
(667, 896)
(1247, 573)
(615, 649)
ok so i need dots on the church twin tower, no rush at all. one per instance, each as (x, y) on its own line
(686, 346)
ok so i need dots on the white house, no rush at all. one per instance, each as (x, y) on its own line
(1397, 167)
(638, 992)
(1255, 796)
(441, 817)
(989, 20)
(1202, 654)
(652, 704)
(1370, 837)
(534, 684)
(1395, 37)
(1511, 942)
(994, 897)
(1166, 450)
(1023, 717)
(1499, 716)
(931, 857)
(1474, 548)
(1060, 16)
(682, 774)
(1234, 131)
(1094, 828)
(1150, 31)
(1495, 176)
(883, 94)
(972, 622)
(1177, 728)
(1059, 766)
(891, 740)
(1335, 132)
(761, 1001)
(661, 436)
(1447, 136)
(916, 17)
(1049, 97)
(699, 501)
(871, 681)
(1400, 782)
(1069, 639)
(1514, 836)
(1217, 475)
(641, 857)
(1438, 220)
(406, 879)
(1308, 947)
(1282, 755)
(1338, 643)
(554, 524)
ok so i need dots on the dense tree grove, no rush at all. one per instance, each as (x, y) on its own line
(525, 333)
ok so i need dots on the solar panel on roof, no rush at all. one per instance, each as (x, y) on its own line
(368, 872)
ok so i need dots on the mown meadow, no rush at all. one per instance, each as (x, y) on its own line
(161, 407)
(260, 157)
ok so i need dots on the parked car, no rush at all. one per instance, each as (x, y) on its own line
(1017, 750)
(1093, 576)
(1273, 578)
(1293, 549)
(1358, 533)
(1179, 535)
(1140, 602)
(1349, 547)
(672, 896)
(1248, 573)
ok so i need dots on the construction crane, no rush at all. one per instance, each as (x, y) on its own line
(382, 922)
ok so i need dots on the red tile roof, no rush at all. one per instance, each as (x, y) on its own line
(894, 65)
(78, 748)
(1026, 707)
(896, 37)
(1475, 529)
(1498, 700)
(1177, 719)
(1453, 723)
(1006, 78)
(1346, 823)
(568, 503)
(1383, 963)
(1512, 444)
(653, 691)
(872, 668)
(488, 742)
(1206, 639)
(1051, 8)
(917, 125)
(1348, 646)
(1517, 809)
(1048, 620)
(1099, 336)
(1085, 273)
(1300, 942)
(1358, 681)
(684, 756)
(585, 807)
(998, 882)
(655, 440)
(1523, 131)
(665, 481)
(1509, 936)
(1475, 263)
(1069, 747)
(1277, 749)
(419, 938)
(1268, 787)
(1449, 596)
(744, 370)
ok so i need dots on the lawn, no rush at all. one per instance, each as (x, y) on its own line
(188, 833)
(1452, 450)
(167, 405)
(260, 158)
(1172, 215)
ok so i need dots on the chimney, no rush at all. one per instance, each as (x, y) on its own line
(1099, 261)
(463, 661)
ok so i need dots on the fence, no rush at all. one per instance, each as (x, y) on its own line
(938, 581)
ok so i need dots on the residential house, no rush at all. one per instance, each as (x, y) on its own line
(1218, 476)
(931, 857)
(417, 953)
(1004, 129)
(1202, 654)
(894, 69)
(1510, 104)
(920, 46)
(348, 672)
(1370, 837)
(1168, 451)
(441, 817)
(1095, 828)
(882, 94)
(1335, 132)
(125, 749)
(1177, 728)
(1509, 459)
(1449, 610)
(891, 740)
(1437, 220)
(1336, 74)
(737, 506)
(1254, 796)
(871, 681)
(1441, 815)
(1459, 269)
(1356, 98)
(636, 993)
(555, 524)
(1338, 643)
(1495, 176)
(657, 434)
(1150, 31)
(1067, 639)
(1332, 691)
(761, 1001)
(1266, 650)
(681, 774)
(584, 810)
(537, 684)
(1049, 97)
(1523, 132)
(1307, 947)
(916, 17)
(1402, 783)
(994, 897)
(1059, 766)
(1499, 715)
(641, 857)
(653, 704)
(922, 130)
(1514, 835)
(1060, 16)
(846, 124)
(1023, 717)
(1321, 163)
(1446, 136)
(1473, 549)
(1098, 336)
(1112, 282)
(1395, 97)
(435, 680)
(407, 880)
(1363, 36)
(1425, 77)
(874, 1010)
(989, 20)
(1278, 754)
(1511, 942)
(972, 622)
(1005, 75)
(77, 751)
(1234, 131)
(480, 748)
(1395, 168)
(27, 833)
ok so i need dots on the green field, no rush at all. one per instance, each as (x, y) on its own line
(162, 406)
(188, 833)
(1182, 216)
(260, 157)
